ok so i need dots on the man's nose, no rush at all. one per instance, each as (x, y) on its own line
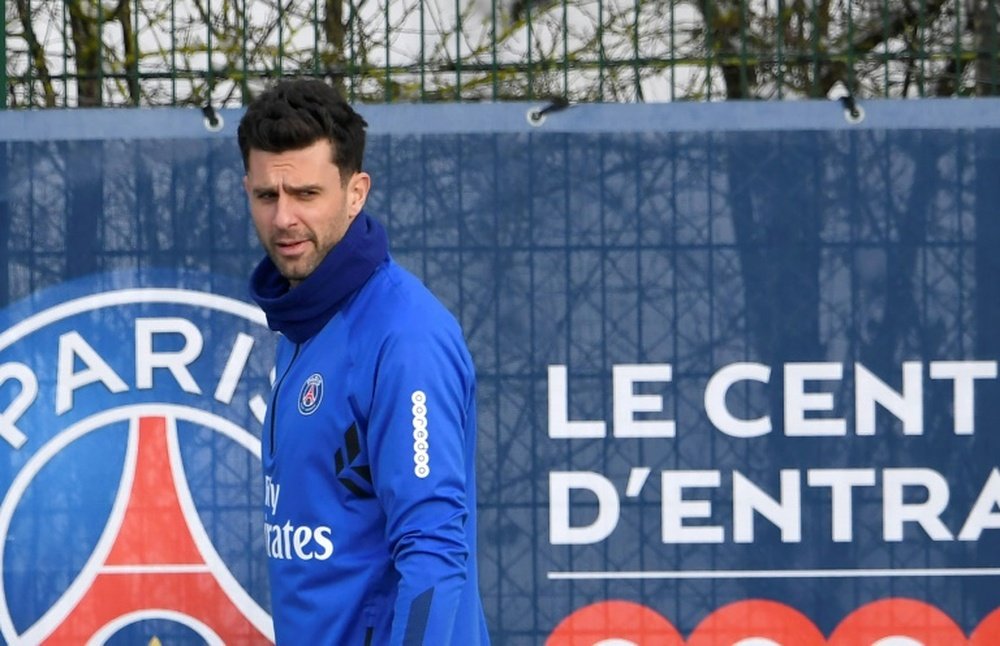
(284, 211)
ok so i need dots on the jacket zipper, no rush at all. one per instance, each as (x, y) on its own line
(274, 395)
(368, 636)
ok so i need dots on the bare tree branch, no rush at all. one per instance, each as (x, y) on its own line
(36, 53)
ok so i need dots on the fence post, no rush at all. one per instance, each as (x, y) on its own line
(3, 65)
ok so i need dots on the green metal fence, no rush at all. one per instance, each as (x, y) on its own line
(196, 52)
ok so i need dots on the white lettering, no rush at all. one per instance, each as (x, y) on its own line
(271, 492)
(869, 390)
(809, 411)
(908, 495)
(302, 537)
(147, 359)
(927, 514)
(715, 400)
(798, 401)
(627, 403)
(19, 404)
(72, 347)
(290, 541)
(964, 374)
(561, 532)
(274, 544)
(286, 536)
(675, 508)
(785, 513)
(559, 425)
(322, 537)
(983, 514)
(841, 483)
(235, 365)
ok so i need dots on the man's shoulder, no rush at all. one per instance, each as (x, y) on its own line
(398, 299)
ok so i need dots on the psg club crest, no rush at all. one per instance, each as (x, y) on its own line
(130, 414)
(311, 394)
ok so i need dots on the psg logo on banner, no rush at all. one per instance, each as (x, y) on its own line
(130, 414)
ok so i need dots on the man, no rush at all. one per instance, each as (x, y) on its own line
(369, 440)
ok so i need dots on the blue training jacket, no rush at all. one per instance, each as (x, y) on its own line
(369, 453)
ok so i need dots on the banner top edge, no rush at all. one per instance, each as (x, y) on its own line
(525, 117)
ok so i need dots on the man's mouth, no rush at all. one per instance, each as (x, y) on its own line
(291, 247)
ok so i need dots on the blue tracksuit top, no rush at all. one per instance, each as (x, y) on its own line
(368, 455)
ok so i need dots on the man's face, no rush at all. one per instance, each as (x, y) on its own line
(300, 205)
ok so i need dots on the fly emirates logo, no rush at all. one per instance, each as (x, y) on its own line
(288, 541)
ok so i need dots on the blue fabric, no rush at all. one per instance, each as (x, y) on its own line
(300, 313)
(369, 462)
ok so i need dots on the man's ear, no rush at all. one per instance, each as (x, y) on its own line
(357, 192)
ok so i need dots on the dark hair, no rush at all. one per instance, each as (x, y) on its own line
(295, 114)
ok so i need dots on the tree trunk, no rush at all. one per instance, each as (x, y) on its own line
(87, 46)
(985, 18)
(335, 30)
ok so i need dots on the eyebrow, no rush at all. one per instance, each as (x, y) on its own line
(293, 190)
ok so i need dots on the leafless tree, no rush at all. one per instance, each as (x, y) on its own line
(157, 52)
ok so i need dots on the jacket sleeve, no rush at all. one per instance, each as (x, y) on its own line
(416, 441)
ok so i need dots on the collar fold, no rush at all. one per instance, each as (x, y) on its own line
(302, 312)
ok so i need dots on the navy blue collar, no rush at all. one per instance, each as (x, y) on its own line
(302, 312)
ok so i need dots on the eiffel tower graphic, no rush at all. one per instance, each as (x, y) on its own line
(158, 562)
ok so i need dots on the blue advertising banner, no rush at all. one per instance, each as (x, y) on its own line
(737, 368)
